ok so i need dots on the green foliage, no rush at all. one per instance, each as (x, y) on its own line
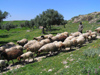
(48, 18)
(81, 64)
(3, 15)
(98, 21)
(8, 26)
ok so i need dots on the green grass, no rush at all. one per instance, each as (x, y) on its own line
(79, 62)
(14, 22)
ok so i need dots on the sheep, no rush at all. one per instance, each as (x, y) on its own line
(2, 48)
(26, 55)
(54, 38)
(47, 36)
(66, 33)
(80, 40)
(29, 43)
(75, 34)
(38, 38)
(51, 47)
(69, 38)
(45, 41)
(74, 41)
(94, 37)
(10, 49)
(22, 42)
(62, 38)
(98, 30)
(58, 44)
(19, 47)
(11, 54)
(35, 47)
(85, 35)
(13, 48)
(10, 44)
(67, 43)
(2, 64)
(88, 31)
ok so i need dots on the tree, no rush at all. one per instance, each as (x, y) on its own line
(64, 22)
(3, 15)
(32, 23)
(48, 18)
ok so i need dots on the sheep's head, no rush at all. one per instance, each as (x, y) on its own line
(18, 42)
(28, 49)
(34, 38)
(42, 36)
(19, 58)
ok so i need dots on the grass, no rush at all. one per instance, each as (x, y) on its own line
(81, 61)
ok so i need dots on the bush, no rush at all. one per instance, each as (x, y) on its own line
(22, 25)
(8, 26)
(90, 53)
(98, 21)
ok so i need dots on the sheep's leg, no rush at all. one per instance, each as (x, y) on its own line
(70, 47)
(33, 58)
(1, 69)
(28, 59)
(13, 62)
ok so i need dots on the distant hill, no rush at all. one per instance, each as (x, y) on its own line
(16, 22)
(91, 18)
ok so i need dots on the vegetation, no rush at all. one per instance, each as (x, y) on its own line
(8, 26)
(78, 61)
(48, 18)
(3, 15)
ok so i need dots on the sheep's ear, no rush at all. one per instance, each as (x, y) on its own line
(18, 58)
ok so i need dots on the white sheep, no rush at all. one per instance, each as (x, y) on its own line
(80, 40)
(14, 48)
(10, 44)
(38, 38)
(75, 34)
(35, 47)
(45, 41)
(47, 36)
(69, 38)
(58, 44)
(22, 42)
(98, 30)
(26, 55)
(67, 43)
(2, 64)
(74, 41)
(29, 43)
(10, 49)
(50, 47)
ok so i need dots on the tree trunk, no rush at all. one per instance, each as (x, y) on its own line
(64, 26)
(50, 27)
(43, 30)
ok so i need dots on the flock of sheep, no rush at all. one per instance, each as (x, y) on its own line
(43, 44)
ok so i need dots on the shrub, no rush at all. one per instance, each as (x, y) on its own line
(8, 26)
(98, 21)
(90, 53)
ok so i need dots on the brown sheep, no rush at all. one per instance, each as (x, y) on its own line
(11, 54)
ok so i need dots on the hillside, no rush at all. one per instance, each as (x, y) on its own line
(74, 62)
(14, 22)
(91, 18)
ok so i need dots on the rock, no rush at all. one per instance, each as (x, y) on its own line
(49, 70)
(28, 30)
(64, 62)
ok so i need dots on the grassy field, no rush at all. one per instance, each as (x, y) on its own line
(14, 22)
(81, 61)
